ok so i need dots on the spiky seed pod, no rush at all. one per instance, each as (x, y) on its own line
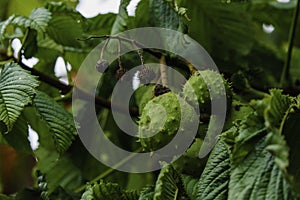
(196, 90)
(146, 75)
(160, 89)
(162, 118)
(102, 65)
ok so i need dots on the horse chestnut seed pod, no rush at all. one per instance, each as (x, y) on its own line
(196, 90)
(162, 118)
(102, 65)
(146, 75)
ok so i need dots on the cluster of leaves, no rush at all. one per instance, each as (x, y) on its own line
(256, 157)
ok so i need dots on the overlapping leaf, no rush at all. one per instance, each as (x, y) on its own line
(17, 89)
(18, 136)
(191, 186)
(258, 177)
(37, 20)
(65, 27)
(169, 185)
(120, 23)
(108, 191)
(59, 121)
(259, 157)
(278, 107)
(212, 21)
(213, 183)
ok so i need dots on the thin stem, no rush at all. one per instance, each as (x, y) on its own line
(103, 48)
(119, 54)
(109, 171)
(140, 53)
(67, 88)
(163, 71)
(137, 44)
(285, 76)
(47, 79)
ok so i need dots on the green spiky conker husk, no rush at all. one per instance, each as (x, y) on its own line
(161, 116)
(196, 91)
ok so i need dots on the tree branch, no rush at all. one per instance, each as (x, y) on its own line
(67, 88)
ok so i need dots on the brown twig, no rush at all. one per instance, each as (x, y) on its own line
(67, 88)
(136, 44)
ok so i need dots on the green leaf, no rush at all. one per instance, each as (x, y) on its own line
(190, 185)
(60, 7)
(59, 121)
(108, 191)
(249, 132)
(292, 137)
(30, 47)
(65, 30)
(278, 107)
(95, 25)
(18, 136)
(37, 20)
(258, 177)
(277, 146)
(168, 185)
(66, 25)
(163, 15)
(213, 183)
(142, 14)
(147, 193)
(120, 23)
(4, 25)
(17, 89)
(212, 21)
(61, 194)
(59, 172)
(254, 173)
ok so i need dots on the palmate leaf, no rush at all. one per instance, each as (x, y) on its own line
(258, 177)
(259, 156)
(18, 136)
(190, 185)
(65, 26)
(220, 26)
(169, 185)
(65, 30)
(291, 134)
(59, 172)
(37, 20)
(120, 23)
(147, 193)
(17, 89)
(59, 121)
(163, 15)
(107, 191)
(213, 183)
(278, 107)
